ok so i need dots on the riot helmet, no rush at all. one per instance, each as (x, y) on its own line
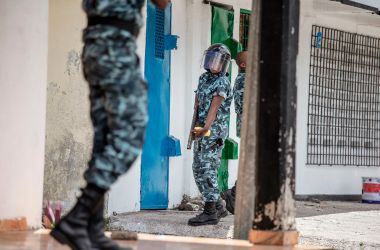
(216, 58)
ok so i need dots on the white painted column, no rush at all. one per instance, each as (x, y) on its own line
(23, 73)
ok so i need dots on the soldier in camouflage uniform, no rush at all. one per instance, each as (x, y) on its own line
(118, 113)
(213, 97)
(238, 92)
(241, 61)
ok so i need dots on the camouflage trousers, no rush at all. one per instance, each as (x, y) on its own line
(118, 102)
(207, 153)
(238, 124)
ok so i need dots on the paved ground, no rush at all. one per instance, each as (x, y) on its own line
(339, 225)
(353, 230)
(307, 208)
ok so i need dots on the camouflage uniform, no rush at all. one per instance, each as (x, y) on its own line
(207, 150)
(238, 100)
(117, 89)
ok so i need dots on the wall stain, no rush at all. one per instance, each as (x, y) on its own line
(65, 162)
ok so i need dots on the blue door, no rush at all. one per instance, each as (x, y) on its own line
(155, 162)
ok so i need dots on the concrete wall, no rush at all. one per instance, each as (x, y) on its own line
(337, 180)
(23, 71)
(68, 127)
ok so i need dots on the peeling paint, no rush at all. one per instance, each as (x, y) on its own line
(282, 211)
(73, 62)
(270, 210)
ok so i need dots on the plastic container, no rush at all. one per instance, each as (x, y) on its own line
(371, 190)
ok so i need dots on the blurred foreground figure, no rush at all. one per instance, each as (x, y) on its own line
(118, 113)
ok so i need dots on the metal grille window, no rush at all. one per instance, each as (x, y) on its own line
(159, 48)
(244, 28)
(344, 99)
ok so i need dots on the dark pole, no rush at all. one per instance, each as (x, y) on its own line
(245, 191)
(274, 217)
(272, 125)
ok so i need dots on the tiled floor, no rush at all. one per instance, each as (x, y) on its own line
(40, 240)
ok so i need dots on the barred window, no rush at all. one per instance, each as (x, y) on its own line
(344, 99)
(244, 28)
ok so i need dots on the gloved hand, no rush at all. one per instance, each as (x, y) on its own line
(200, 132)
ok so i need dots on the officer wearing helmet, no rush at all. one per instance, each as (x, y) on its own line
(213, 100)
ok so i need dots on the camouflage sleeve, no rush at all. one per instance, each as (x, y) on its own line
(199, 82)
(238, 95)
(222, 87)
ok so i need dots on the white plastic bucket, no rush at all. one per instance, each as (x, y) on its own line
(371, 190)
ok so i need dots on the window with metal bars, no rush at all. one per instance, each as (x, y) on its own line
(244, 28)
(344, 99)
(159, 37)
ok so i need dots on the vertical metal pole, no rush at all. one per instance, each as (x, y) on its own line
(268, 134)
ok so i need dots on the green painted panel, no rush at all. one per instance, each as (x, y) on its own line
(222, 26)
(244, 11)
(230, 150)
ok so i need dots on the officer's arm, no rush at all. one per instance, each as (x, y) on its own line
(161, 3)
(215, 104)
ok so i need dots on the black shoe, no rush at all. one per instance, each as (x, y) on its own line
(209, 216)
(221, 209)
(229, 197)
(96, 231)
(72, 229)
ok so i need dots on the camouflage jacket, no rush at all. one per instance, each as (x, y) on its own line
(128, 10)
(211, 85)
(239, 93)
(238, 100)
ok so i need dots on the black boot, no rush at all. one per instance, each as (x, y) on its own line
(96, 231)
(207, 217)
(229, 197)
(72, 229)
(221, 209)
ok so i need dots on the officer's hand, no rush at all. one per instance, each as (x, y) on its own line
(198, 133)
(161, 3)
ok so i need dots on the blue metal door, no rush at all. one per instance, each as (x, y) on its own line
(155, 163)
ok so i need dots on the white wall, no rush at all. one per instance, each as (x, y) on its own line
(337, 180)
(23, 72)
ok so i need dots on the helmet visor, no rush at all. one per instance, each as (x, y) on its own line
(215, 62)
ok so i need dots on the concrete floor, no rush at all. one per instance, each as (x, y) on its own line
(338, 225)
(42, 241)
(333, 225)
